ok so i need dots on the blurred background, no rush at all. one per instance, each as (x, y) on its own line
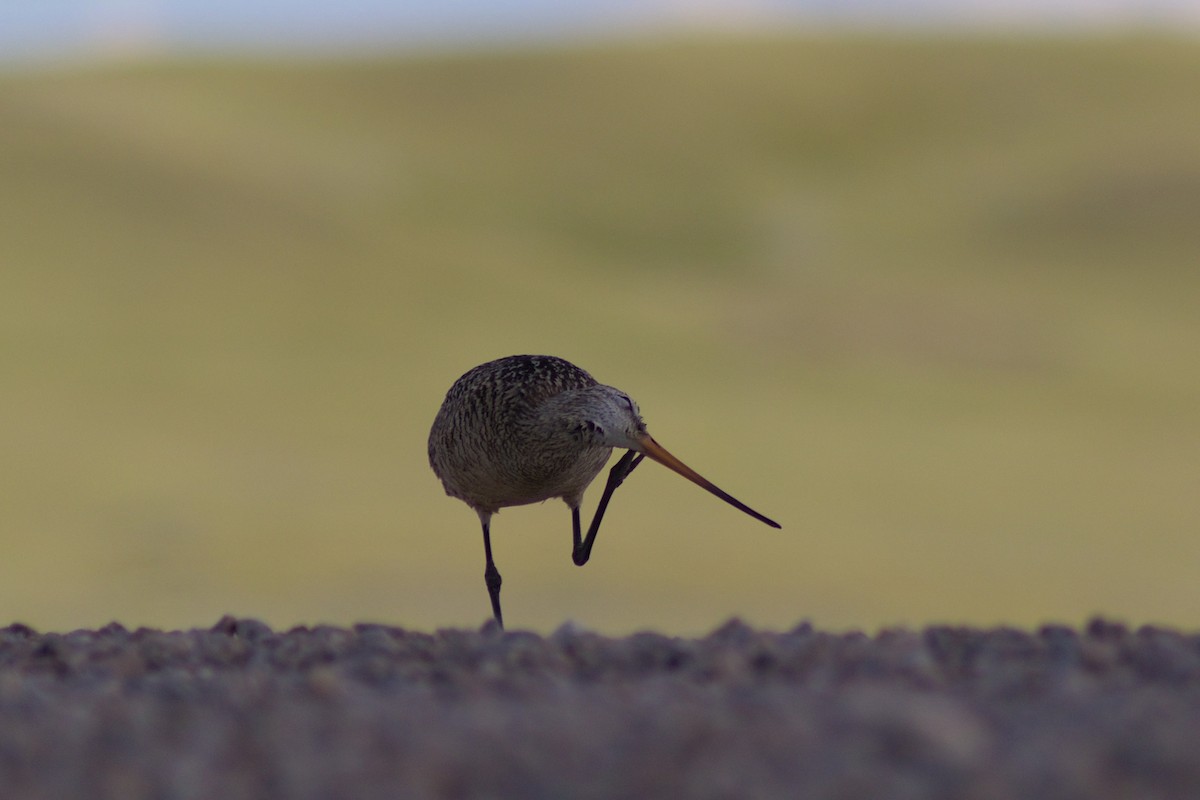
(918, 280)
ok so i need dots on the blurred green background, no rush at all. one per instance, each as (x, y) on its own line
(930, 302)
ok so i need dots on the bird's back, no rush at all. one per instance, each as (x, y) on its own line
(481, 445)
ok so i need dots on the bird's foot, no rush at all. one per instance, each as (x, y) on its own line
(622, 469)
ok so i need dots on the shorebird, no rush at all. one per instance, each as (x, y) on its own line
(524, 429)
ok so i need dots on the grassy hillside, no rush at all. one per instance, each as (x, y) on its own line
(930, 304)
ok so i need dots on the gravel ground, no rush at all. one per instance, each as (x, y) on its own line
(241, 711)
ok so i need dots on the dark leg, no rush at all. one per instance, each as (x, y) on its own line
(491, 575)
(576, 536)
(617, 475)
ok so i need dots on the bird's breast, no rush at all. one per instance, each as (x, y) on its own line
(518, 472)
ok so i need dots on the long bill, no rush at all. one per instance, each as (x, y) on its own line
(658, 453)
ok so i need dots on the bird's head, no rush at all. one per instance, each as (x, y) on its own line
(608, 417)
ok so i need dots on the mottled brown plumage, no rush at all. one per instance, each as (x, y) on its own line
(493, 444)
(524, 429)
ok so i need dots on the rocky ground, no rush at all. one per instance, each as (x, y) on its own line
(241, 711)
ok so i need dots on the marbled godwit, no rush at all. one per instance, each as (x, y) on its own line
(524, 429)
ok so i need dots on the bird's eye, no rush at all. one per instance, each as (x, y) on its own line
(591, 427)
